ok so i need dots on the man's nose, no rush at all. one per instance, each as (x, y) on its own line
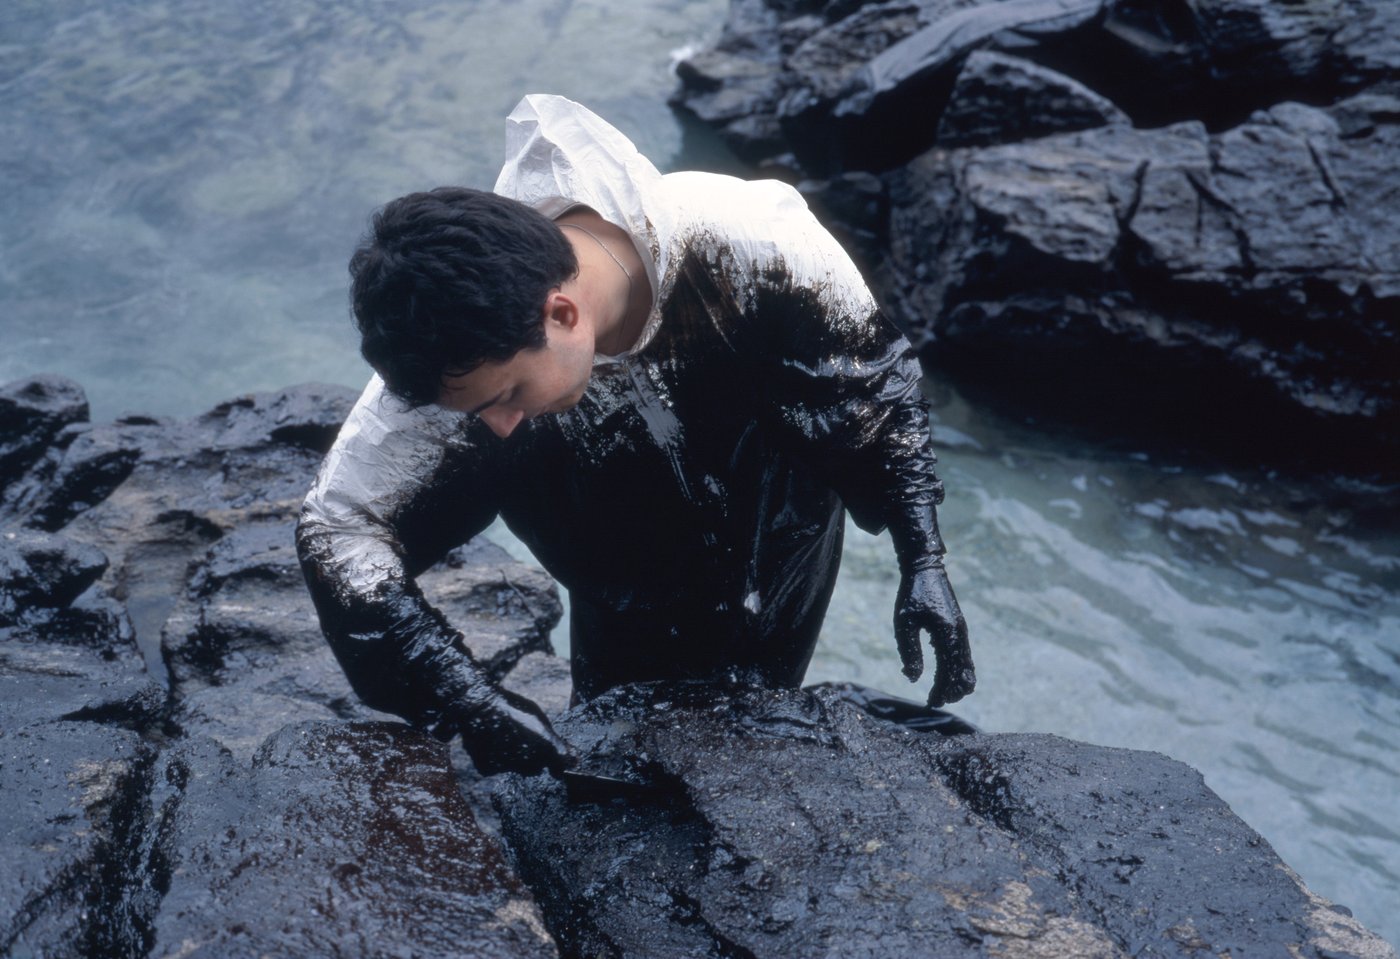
(502, 422)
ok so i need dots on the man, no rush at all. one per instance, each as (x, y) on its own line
(668, 387)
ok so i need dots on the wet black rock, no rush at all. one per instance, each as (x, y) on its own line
(739, 83)
(346, 839)
(1004, 99)
(40, 573)
(1126, 828)
(505, 608)
(791, 823)
(243, 649)
(227, 795)
(66, 648)
(1189, 207)
(543, 678)
(32, 413)
(70, 789)
(154, 495)
(245, 652)
(1262, 251)
(223, 766)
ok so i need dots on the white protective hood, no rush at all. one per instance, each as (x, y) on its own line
(560, 154)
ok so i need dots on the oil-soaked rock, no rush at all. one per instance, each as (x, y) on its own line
(246, 655)
(1129, 830)
(340, 839)
(739, 84)
(78, 472)
(40, 573)
(243, 648)
(155, 494)
(46, 681)
(183, 530)
(33, 412)
(66, 649)
(245, 609)
(544, 679)
(1004, 99)
(262, 816)
(505, 608)
(1092, 198)
(790, 823)
(865, 88)
(1261, 250)
(72, 793)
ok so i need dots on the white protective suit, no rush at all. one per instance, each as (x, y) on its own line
(692, 501)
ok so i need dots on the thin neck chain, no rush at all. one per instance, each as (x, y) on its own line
(611, 255)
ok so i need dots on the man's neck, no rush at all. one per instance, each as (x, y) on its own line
(612, 279)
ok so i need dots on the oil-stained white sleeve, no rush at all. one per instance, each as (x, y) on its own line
(398, 488)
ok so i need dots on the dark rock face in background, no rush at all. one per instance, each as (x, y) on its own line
(225, 794)
(1175, 198)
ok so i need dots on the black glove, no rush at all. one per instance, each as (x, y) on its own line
(926, 602)
(502, 731)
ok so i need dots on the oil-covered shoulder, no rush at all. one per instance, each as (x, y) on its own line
(764, 232)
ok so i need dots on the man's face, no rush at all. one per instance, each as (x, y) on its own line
(531, 383)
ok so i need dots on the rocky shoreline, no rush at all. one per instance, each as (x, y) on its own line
(1184, 206)
(189, 775)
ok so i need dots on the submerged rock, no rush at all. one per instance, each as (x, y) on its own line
(790, 823)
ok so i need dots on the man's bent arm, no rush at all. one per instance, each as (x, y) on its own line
(843, 387)
(398, 488)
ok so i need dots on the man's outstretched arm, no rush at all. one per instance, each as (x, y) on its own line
(400, 486)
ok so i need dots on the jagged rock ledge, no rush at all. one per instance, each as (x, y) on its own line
(186, 773)
(1184, 211)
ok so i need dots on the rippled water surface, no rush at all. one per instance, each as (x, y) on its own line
(184, 180)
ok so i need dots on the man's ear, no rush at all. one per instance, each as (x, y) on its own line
(562, 309)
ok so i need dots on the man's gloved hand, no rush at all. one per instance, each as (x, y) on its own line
(504, 733)
(926, 602)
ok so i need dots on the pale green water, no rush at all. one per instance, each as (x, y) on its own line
(184, 180)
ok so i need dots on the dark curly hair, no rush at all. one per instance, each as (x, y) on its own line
(451, 279)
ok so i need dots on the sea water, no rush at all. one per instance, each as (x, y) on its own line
(183, 181)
